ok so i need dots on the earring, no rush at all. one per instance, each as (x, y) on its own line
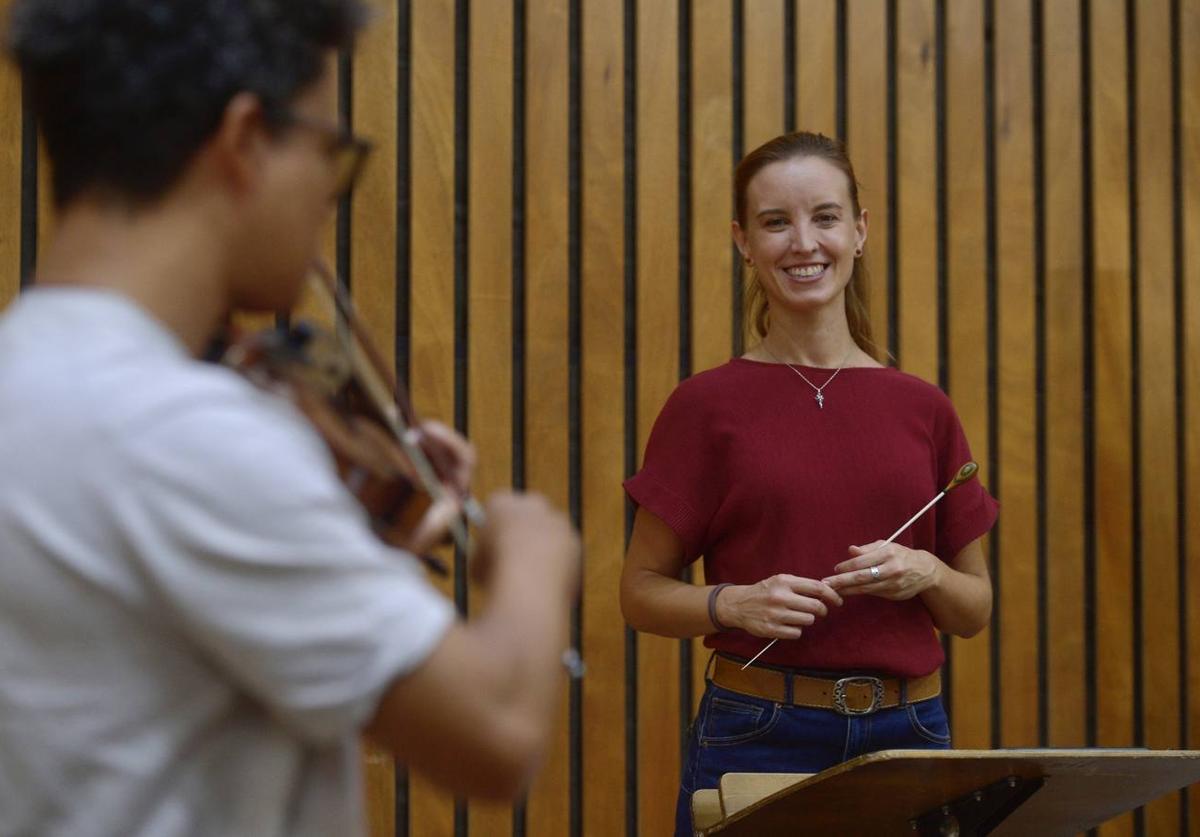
(749, 261)
(858, 253)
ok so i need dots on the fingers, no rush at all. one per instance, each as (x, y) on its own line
(863, 556)
(527, 528)
(434, 525)
(865, 580)
(786, 604)
(812, 589)
(452, 456)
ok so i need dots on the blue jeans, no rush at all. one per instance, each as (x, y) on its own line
(736, 733)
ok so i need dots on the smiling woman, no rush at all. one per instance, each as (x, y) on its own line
(787, 501)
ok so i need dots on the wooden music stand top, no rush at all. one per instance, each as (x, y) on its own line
(903, 792)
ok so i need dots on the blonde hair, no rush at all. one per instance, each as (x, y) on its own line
(756, 310)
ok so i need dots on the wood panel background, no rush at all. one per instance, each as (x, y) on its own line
(543, 237)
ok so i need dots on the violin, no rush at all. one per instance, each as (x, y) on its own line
(341, 384)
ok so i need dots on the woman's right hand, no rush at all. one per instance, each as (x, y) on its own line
(779, 607)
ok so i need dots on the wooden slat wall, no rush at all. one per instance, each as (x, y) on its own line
(543, 236)
(967, 341)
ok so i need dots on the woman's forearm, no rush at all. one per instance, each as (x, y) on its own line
(960, 603)
(657, 604)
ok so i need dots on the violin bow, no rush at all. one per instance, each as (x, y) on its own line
(393, 403)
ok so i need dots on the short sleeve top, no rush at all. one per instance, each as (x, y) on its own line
(753, 475)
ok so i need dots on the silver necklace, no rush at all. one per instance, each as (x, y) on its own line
(819, 398)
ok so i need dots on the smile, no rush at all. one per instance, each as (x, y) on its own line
(808, 271)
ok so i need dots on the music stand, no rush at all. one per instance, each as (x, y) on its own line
(956, 792)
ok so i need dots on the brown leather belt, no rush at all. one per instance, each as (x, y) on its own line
(855, 695)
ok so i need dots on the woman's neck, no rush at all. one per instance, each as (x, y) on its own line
(823, 342)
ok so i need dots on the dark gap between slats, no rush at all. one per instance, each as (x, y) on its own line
(403, 306)
(519, 326)
(575, 376)
(631, 393)
(993, 354)
(684, 58)
(1040, 328)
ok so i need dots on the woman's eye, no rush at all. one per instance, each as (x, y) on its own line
(774, 223)
(827, 220)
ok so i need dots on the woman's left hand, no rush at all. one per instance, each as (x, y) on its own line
(887, 570)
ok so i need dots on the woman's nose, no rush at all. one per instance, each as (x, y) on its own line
(803, 239)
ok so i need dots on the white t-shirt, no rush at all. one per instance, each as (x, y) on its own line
(195, 617)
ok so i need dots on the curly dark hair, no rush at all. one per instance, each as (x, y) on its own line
(127, 91)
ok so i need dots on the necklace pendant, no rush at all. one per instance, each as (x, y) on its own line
(820, 400)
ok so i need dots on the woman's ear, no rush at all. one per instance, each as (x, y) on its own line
(739, 238)
(860, 231)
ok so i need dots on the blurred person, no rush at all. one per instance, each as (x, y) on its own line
(196, 617)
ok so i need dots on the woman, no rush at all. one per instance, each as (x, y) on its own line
(785, 468)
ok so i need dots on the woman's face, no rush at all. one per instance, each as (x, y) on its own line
(801, 233)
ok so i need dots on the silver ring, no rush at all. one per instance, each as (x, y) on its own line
(875, 572)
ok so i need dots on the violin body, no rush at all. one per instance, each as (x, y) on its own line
(309, 367)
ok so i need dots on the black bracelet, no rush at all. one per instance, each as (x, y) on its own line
(712, 606)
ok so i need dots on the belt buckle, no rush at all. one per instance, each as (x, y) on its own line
(839, 695)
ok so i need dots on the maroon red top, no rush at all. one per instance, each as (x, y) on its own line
(751, 474)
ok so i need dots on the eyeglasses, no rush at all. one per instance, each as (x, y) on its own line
(349, 152)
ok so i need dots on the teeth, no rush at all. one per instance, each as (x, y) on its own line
(806, 271)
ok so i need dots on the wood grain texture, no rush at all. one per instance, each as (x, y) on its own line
(1112, 382)
(1018, 393)
(489, 270)
(916, 66)
(546, 340)
(1063, 401)
(762, 96)
(602, 414)
(1082, 787)
(867, 142)
(816, 66)
(1190, 456)
(711, 243)
(373, 278)
(966, 241)
(431, 811)
(657, 302)
(1155, 375)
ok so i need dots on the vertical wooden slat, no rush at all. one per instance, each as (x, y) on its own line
(816, 66)
(970, 708)
(546, 262)
(657, 372)
(867, 140)
(1017, 395)
(1190, 187)
(1110, 355)
(712, 204)
(10, 176)
(917, 222)
(1190, 125)
(602, 411)
(431, 810)
(490, 276)
(373, 268)
(1156, 378)
(1062, 161)
(763, 66)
